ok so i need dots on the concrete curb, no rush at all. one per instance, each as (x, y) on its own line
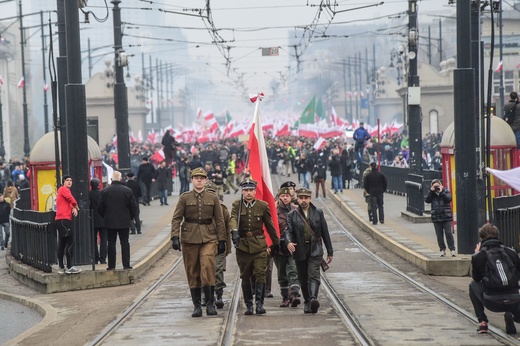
(147, 262)
(459, 266)
(46, 310)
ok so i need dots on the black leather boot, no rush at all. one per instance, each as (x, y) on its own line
(247, 292)
(295, 296)
(306, 308)
(313, 291)
(195, 297)
(219, 302)
(259, 298)
(209, 293)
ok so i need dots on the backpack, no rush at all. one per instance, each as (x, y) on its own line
(501, 272)
(509, 117)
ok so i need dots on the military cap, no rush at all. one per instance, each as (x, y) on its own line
(248, 184)
(284, 190)
(210, 186)
(304, 192)
(199, 171)
(288, 184)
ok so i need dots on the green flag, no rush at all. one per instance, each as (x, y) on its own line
(319, 110)
(228, 117)
(308, 114)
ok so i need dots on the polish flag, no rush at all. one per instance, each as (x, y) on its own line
(140, 136)
(500, 66)
(259, 169)
(151, 137)
(335, 120)
(199, 113)
(21, 83)
(284, 131)
(210, 121)
(320, 143)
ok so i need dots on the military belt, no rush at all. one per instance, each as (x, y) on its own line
(250, 234)
(200, 222)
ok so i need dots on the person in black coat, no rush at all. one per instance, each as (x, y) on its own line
(375, 184)
(169, 147)
(496, 300)
(146, 176)
(346, 161)
(5, 211)
(319, 175)
(163, 177)
(306, 228)
(440, 199)
(94, 196)
(136, 189)
(118, 207)
(335, 171)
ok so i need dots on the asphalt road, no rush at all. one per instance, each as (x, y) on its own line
(16, 318)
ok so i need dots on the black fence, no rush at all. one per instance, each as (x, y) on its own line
(414, 194)
(507, 218)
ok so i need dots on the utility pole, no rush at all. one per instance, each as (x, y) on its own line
(89, 59)
(465, 139)
(351, 117)
(159, 92)
(414, 92)
(45, 105)
(501, 52)
(26, 145)
(356, 94)
(120, 93)
(152, 105)
(63, 79)
(345, 87)
(429, 45)
(440, 41)
(2, 149)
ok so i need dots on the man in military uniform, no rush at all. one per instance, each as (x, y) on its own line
(198, 223)
(286, 268)
(306, 228)
(291, 185)
(248, 215)
(220, 259)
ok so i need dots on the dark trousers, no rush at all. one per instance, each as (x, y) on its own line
(376, 203)
(146, 189)
(101, 252)
(476, 294)
(320, 182)
(124, 234)
(185, 186)
(308, 273)
(65, 242)
(136, 222)
(444, 229)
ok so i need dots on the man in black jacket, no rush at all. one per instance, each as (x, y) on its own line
(99, 226)
(440, 198)
(136, 190)
(163, 176)
(375, 184)
(306, 228)
(146, 176)
(504, 300)
(515, 122)
(118, 207)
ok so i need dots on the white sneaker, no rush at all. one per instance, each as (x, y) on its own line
(443, 253)
(73, 270)
(453, 253)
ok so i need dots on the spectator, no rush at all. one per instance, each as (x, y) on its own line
(440, 199)
(375, 184)
(163, 176)
(5, 211)
(515, 122)
(146, 176)
(360, 138)
(136, 190)
(335, 171)
(10, 193)
(319, 175)
(99, 226)
(66, 207)
(118, 207)
(505, 299)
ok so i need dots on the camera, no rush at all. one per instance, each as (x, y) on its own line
(437, 188)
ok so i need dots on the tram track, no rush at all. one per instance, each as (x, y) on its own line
(356, 328)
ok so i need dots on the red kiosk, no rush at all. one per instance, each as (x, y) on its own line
(42, 167)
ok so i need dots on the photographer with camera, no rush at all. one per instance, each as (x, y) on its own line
(442, 217)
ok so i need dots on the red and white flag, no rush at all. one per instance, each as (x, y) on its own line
(199, 113)
(510, 177)
(45, 87)
(320, 143)
(21, 83)
(259, 168)
(210, 122)
(335, 120)
(500, 66)
(140, 136)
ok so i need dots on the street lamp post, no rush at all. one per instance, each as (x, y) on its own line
(26, 145)
(120, 94)
(2, 149)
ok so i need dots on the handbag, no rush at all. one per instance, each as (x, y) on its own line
(324, 265)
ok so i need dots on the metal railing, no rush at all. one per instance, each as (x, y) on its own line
(507, 218)
(414, 194)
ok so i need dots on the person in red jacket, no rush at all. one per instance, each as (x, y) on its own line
(66, 206)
